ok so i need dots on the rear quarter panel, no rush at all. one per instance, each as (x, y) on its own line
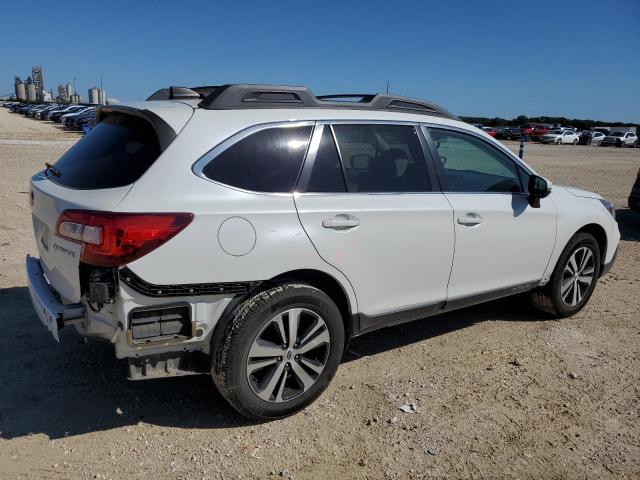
(195, 255)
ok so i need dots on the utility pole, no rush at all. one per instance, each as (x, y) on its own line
(387, 86)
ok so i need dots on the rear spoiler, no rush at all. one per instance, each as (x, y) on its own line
(164, 132)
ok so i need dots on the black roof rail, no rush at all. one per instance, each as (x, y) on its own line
(247, 96)
(177, 93)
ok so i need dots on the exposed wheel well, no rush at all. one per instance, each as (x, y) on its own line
(328, 285)
(601, 237)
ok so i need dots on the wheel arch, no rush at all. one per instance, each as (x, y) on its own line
(600, 234)
(329, 285)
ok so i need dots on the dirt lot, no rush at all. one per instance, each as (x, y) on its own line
(492, 383)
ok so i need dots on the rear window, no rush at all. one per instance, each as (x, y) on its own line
(266, 161)
(116, 153)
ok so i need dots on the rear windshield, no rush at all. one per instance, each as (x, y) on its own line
(116, 153)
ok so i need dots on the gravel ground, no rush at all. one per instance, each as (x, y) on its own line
(500, 390)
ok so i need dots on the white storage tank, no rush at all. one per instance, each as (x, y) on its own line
(31, 92)
(94, 95)
(21, 93)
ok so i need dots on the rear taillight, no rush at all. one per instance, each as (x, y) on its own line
(115, 239)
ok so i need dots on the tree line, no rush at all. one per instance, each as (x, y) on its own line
(580, 124)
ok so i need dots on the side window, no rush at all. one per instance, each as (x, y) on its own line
(382, 158)
(326, 174)
(472, 165)
(266, 161)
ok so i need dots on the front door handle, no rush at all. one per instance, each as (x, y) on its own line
(470, 219)
(341, 222)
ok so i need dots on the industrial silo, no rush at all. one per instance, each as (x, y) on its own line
(94, 95)
(21, 93)
(31, 92)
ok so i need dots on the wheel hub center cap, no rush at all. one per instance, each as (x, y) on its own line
(289, 354)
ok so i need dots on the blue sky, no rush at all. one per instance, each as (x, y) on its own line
(572, 58)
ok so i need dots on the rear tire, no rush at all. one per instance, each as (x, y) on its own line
(559, 141)
(278, 350)
(573, 280)
(575, 142)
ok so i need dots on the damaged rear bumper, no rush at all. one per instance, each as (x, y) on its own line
(52, 312)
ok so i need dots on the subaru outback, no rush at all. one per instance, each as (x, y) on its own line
(251, 231)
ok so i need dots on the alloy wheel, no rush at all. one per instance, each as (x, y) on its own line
(577, 276)
(288, 355)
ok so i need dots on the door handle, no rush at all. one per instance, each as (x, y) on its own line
(340, 222)
(470, 219)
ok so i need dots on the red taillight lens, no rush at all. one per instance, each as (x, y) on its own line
(114, 239)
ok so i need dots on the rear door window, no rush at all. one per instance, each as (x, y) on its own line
(382, 158)
(266, 161)
(115, 154)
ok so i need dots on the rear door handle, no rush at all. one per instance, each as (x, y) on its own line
(470, 219)
(340, 222)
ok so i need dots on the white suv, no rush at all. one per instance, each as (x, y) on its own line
(250, 231)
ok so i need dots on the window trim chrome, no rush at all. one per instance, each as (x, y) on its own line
(314, 143)
(199, 165)
(496, 145)
(321, 124)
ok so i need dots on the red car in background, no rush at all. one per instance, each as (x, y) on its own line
(490, 131)
(535, 131)
(539, 130)
(527, 130)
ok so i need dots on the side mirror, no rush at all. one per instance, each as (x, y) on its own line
(538, 188)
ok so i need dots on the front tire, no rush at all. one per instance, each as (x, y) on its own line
(278, 350)
(573, 280)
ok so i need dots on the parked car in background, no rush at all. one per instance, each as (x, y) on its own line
(590, 137)
(634, 197)
(539, 130)
(559, 137)
(40, 114)
(296, 229)
(490, 131)
(57, 117)
(500, 133)
(620, 139)
(77, 121)
(32, 112)
(527, 131)
(67, 116)
(54, 115)
(28, 112)
(513, 133)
